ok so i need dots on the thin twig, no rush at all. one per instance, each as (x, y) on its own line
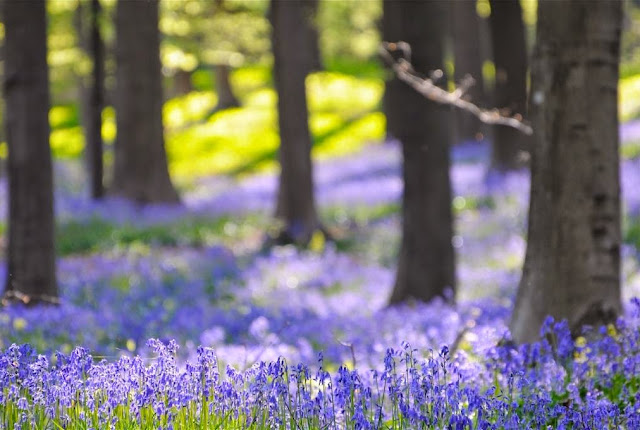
(426, 86)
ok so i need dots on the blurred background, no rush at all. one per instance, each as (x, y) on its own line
(217, 54)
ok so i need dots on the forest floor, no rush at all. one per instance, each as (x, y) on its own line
(197, 273)
(175, 317)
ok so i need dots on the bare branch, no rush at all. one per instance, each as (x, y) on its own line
(427, 87)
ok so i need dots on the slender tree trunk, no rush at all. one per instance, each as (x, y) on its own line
(426, 261)
(95, 105)
(31, 254)
(510, 91)
(92, 93)
(140, 165)
(296, 203)
(182, 83)
(572, 264)
(226, 98)
(468, 61)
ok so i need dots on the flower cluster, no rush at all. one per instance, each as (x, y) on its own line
(556, 382)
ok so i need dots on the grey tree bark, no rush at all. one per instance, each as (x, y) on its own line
(140, 163)
(572, 264)
(31, 273)
(296, 202)
(467, 53)
(426, 260)
(510, 93)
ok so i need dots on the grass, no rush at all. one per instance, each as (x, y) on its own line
(631, 232)
(99, 235)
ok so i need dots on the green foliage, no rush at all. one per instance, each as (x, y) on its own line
(620, 389)
(630, 50)
(631, 230)
(99, 235)
(343, 116)
(630, 150)
(349, 29)
(629, 99)
(204, 33)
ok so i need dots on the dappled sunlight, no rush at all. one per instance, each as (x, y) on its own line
(185, 110)
(350, 136)
(63, 116)
(67, 142)
(244, 139)
(109, 124)
(342, 93)
(629, 98)
(324, 122)
(263, 98)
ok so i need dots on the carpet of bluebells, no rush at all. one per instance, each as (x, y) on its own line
(219, 333)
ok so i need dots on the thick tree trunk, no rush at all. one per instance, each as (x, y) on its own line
(426, 261)
(572, 264)
(391, 31)
(311, 27)
(31, 276)
(467, 54)
(296, 202)
(510, 93)
(226, 98)
(140, 165)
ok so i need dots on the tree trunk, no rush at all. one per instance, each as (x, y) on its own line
(313, 38)
(391, 32)
(182, 83)
(31, 275)
(572, 264)
(510, 92)
(140, 165)
(95, 105)
(467, 61)
(226, 98)
(426, 260)
(296, 203)
(92, 93)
